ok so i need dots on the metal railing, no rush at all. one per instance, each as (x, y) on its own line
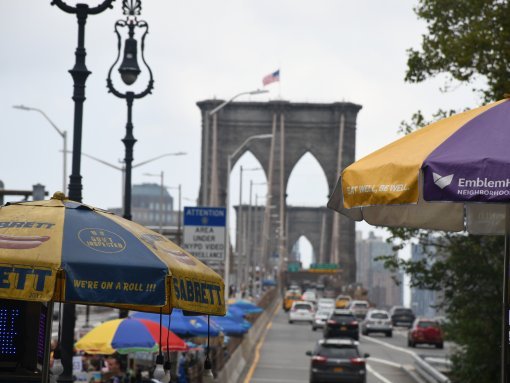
(431, 368)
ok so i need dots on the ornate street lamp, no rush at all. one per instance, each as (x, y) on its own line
(129, 71)
(79, 74)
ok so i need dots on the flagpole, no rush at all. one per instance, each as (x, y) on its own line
(279, 84)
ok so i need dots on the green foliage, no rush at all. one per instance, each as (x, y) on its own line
(418, 120)
(466, 271)
(466, 39)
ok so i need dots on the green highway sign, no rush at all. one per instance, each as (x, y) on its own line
(324, 266)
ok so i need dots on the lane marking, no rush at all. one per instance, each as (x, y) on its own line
(259, 346)
(282, 366)
(388, 345)
(377, 375)
(384, 361)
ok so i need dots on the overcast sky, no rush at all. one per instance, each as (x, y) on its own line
(326, 50)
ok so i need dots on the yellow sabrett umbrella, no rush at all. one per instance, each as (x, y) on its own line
(61, 250)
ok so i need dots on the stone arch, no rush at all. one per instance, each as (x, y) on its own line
(300, 240)
(327, 131)
(297, 165)
(248, 160)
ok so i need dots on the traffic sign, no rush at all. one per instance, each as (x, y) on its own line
(204, 232)
(324, 267)
(293, 267)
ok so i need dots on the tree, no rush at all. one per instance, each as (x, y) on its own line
(466, 40)
(466, 270)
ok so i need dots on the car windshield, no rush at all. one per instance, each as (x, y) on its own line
(323, 313)
(427, 324)
(379, 316)
(361, 304)
(403, 311)
(333, 351)
(302, 306)
(343, 317)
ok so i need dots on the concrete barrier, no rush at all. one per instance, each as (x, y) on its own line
(233, 371)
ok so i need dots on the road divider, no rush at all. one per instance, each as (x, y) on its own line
(246, 355)
(427, 368)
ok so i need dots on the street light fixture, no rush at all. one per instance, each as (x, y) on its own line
(206, 200)
(179, 212)
(250, 264)
(163, 187)
(229, 169)
(79, 74)
(129, 71)
(225, 103)
(62, 133)
(240, 228)
(123, 168)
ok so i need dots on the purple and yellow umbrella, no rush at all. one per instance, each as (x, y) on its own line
(452, 175)
(463, 160)
(61, 250)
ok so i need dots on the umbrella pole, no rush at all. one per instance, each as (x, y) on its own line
(505, 321)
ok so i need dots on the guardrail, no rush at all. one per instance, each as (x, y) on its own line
(431, 368)
(241, 357)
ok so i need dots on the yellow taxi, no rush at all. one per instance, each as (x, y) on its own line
(291, 296)
(342, 301)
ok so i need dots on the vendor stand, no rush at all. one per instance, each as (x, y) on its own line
(68, 252)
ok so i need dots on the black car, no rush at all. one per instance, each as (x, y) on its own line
(342, 324)
(402, 316)
(337, 360)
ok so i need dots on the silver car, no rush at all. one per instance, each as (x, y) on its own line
(377, 321)
(320, 318)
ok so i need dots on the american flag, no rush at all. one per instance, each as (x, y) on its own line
(273, 77)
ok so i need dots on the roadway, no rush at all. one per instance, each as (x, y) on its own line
(281, 357)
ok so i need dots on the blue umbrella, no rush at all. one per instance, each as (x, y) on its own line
(237, 315)
(181, 324)
(229, 326)
(247, 306)
(236, 311)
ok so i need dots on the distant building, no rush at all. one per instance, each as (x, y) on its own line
(147, 206)
(423, 301)
(382, 289)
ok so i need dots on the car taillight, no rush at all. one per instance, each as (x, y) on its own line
(318, 359)
(354, 323)
(330, 321)
(293, 309)
(358, 361)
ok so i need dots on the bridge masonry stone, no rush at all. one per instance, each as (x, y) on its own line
(325, 130)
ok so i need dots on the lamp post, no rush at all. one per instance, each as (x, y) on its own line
(240, 228)
(163, 187)
(250, 264)
(62, 133)
(129, 71)
(207, 199)
(179, 213)
(79, 74)
(227, 239)
(161, 192)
